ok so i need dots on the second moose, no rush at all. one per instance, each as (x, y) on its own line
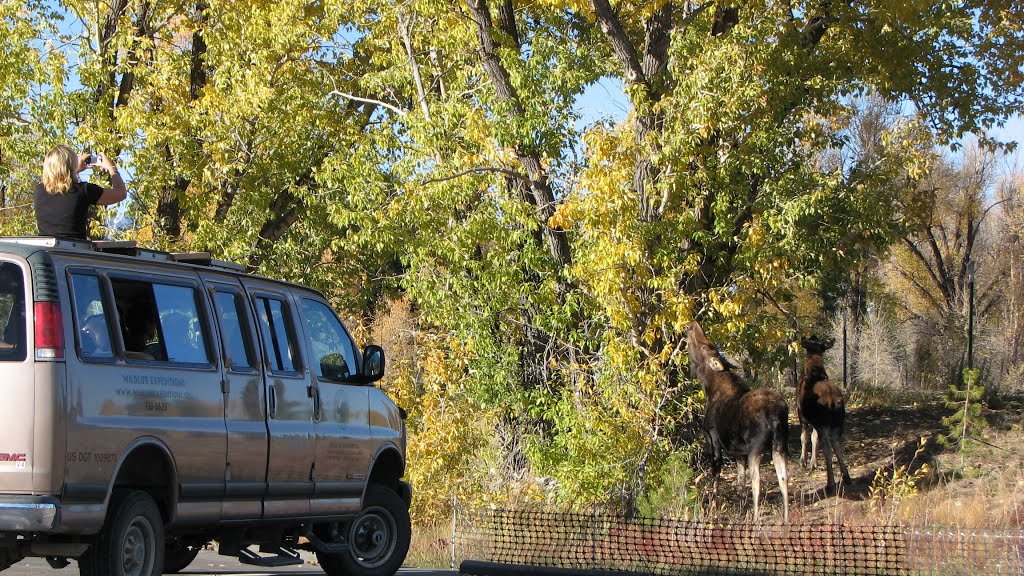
(822, 411)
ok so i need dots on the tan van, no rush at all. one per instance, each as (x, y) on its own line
(152, 403)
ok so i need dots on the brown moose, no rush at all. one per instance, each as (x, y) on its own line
(822, 411)
(741, 422)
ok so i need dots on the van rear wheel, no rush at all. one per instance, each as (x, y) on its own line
(131, 542)
(378, 538)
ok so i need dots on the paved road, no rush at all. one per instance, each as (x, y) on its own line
(208, 563)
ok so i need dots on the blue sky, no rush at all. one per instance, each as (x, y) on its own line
(1014, 129)
(604, 100)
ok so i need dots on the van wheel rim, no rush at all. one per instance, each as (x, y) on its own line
(373, 537)
(137, 548)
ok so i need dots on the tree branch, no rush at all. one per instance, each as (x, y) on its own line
(352, 97)
(789, 316)
(404, 28)
(927, 265)
(940, 265)
(621, 45)
(920, 288)
(479, 170)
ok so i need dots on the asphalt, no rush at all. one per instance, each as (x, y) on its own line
(208, 563)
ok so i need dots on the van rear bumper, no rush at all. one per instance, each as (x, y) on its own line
(29, 513)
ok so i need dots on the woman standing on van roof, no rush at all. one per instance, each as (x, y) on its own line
(62, 201)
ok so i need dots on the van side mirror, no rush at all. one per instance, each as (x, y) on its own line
(373, 363)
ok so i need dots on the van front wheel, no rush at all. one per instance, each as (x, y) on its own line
(131, 542)
(378, 538)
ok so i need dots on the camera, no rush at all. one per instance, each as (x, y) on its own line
(93, 159)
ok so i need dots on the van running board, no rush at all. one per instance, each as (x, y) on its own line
(281, 557)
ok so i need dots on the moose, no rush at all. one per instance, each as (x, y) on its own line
(822, 410)
(741, 422)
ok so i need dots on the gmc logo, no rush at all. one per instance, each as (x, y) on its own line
(5, 457)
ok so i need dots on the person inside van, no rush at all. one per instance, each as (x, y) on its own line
(139, 333)
(12, 336)
(62, 201)
(95, 339)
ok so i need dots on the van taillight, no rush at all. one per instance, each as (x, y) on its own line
(49, 331)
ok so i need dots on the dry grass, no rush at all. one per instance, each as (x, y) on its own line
(981, 486)
(431, 547)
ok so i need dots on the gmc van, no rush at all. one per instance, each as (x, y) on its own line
(153, 403)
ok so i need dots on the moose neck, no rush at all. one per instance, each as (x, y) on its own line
(814, 370)
(721, 385)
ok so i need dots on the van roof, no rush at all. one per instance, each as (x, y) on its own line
(126, 250)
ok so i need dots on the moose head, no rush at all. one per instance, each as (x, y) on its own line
(815, 345)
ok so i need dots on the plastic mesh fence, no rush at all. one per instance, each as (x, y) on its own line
(588, 542)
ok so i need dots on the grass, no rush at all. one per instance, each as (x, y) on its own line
(978, 486)
(981, 486)
(431, 547)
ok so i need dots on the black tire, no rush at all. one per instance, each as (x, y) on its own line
(131, 542)
(178, 555)
(378, 538)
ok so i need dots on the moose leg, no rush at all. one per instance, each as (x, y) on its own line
(716, 452)
(716, 462)
(815, 437)
(837, 445)
(826, 447)
(741, 472)
(805, 436)
(754, 468)
(779, 459)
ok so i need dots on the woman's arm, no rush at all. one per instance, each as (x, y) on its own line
(117, 190)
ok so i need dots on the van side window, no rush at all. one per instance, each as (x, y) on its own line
(91, 318)
(277, 337)
(231, 312)
(180, 325)
(159, 322)
(12, 313)
(333, 355)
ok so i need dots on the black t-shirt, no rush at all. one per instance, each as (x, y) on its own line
(66, 215)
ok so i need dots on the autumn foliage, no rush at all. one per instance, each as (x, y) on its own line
(425, 165)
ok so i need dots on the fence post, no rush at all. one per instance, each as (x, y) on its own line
(455, 512)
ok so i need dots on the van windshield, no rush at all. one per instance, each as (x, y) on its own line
(12, 313)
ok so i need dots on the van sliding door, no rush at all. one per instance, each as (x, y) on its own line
(244, 404)
(289, 409)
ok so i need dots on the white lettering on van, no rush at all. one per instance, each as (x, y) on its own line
(144, 380)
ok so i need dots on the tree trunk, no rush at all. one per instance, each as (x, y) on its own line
(168, 207)
(542, 196)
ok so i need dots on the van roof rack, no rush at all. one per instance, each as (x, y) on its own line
(205, 259)
(129, 248)
(49, 242)
(126, 248)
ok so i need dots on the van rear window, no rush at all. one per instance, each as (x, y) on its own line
(12, 313)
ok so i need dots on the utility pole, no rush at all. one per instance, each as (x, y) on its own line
(846, 384)
(970, 315)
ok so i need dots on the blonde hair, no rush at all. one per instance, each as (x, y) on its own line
(60, 170)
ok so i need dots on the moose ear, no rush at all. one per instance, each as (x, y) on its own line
(716, 365)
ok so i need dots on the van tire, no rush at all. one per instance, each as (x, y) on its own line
(378, 538)
(131, 542)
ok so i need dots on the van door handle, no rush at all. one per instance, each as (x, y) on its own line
(316, 404)
(272, 400)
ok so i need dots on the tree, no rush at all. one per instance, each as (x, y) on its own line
(430, 150)
(950, 226)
